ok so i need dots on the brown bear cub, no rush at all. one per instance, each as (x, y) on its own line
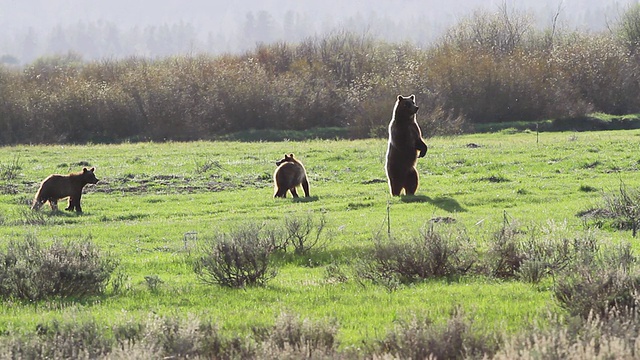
(288, 175)
(404, 148)
(56, 187)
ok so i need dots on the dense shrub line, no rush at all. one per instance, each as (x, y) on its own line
(171, 338)
(491, 67)
(291, 337)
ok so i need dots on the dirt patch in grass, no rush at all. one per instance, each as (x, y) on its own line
(373, 181)
(173, 184)
(494, 179)
(442, 220)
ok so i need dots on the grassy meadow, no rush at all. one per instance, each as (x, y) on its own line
(156, 204)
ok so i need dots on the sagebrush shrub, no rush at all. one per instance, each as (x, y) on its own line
(621, 209)
(625, 207)
(505, 256)
(430, 255)
(30, 217)
(601, 280)
(30, 271)
(536, 254)
(613, 337)
(71, 339)
(597, 290)
(294, 337)
(546, 256)
(10, 171)
(171, 337)
(422, 338)
(238, 259)
(303, 233)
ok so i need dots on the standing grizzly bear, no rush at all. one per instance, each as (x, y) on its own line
(404, 148)
(56, 187)
(288, 175)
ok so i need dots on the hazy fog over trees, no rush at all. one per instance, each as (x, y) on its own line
(120, 28)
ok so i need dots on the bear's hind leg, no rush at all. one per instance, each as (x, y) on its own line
(294, 192)
(411, 182)
(70, 204)
(395, 187)
(305, 187)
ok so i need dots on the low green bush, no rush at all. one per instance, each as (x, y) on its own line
(303, 233)
(505, 255)
(421, 338)
(293, 337)
(239, 258)
(599, 285)
(31, 271)
(618, 209)
(433, 254)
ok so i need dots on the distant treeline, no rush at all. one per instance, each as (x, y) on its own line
(491, 67)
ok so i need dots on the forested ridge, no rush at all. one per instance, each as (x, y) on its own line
(490, 67)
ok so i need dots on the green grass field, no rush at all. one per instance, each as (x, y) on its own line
(156, 203)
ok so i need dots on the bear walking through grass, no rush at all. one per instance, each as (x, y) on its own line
(404, 148)
(289, 174)
(56, 187)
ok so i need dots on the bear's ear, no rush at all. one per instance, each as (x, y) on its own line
(92, 169)
(413, 97)
(291, 155)
(84, 170)
(400, 98)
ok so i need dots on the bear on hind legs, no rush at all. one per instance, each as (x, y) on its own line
(404, 147)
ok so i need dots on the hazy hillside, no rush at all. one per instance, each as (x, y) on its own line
(119, 28)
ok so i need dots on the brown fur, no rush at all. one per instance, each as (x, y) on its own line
(56, 187)
(289, 174)
(404, 148)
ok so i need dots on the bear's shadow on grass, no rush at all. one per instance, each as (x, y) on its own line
(61, 213)
(445, 203)
(305, 199)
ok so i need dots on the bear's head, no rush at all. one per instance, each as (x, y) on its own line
(287, 158)
(88, 176)
(405, 107)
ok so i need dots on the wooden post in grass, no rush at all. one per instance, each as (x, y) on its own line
(388, 219)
